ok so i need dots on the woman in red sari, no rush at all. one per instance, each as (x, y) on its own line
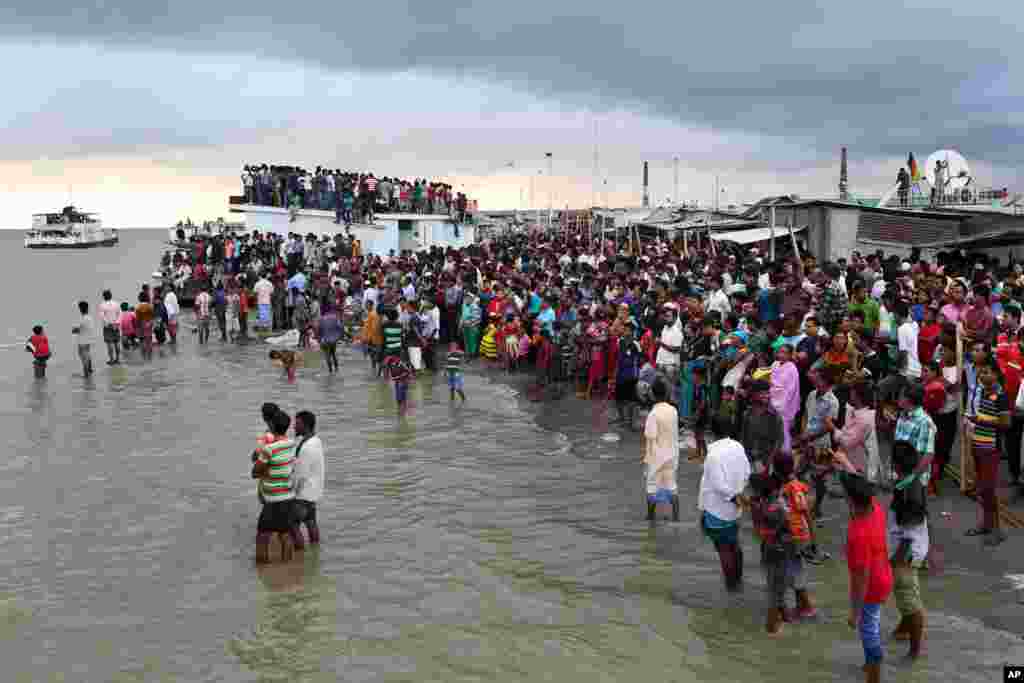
(597, 340)
(617, 331)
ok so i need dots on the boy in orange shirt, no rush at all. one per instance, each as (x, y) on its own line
(794, 492)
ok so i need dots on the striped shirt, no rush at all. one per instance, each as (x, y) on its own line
(280, 456)
(993, 405)
(392, 338)
(371, 184)
(454, 363)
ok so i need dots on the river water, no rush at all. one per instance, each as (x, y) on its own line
(502, 540)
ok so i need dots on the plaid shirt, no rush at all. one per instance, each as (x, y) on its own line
(918, 429)
(833, 307)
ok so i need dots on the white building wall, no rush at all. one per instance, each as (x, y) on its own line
(378, 239)
(842, 226)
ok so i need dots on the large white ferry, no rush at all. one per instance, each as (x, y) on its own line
(69, 229)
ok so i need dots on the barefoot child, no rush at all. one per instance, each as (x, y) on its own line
(768, 512)
(39, 346)
(798, 521)
(400, 373)
(453, 367)
(488, 344)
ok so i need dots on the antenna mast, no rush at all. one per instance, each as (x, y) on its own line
(675, 180)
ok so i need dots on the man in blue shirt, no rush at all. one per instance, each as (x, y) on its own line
(546, 317)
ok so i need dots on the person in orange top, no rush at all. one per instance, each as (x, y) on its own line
(372, 335)
(794, 492)
(928, 335)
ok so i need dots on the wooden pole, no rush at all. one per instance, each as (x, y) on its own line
(771, 227)
(796, 249)
(964, 447)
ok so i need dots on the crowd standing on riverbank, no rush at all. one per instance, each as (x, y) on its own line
(786, 373)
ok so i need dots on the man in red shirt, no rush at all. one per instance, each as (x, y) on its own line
(1011, 363)
(868, 565)
(978, 319)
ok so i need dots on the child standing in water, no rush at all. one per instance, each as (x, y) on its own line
(798, 521)
(39, 346)
(456, 382)
(768, 512)
(400, 373)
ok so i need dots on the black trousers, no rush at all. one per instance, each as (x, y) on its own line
(1013, 437)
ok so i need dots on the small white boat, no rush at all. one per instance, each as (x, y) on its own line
(69, 229)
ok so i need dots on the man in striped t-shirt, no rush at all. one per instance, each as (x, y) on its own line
(989, 415)
(272, 465)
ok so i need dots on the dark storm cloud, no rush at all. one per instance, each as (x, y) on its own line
(881, 76)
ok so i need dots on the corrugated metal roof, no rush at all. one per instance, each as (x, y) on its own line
(906, 228)
(753, 235)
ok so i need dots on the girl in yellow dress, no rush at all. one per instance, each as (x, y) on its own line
(488, 345)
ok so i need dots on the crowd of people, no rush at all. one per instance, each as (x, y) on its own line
(354, 197)
(787, 373)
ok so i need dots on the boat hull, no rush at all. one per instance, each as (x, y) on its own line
(78, 245)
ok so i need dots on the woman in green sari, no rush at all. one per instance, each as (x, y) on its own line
(470, 324)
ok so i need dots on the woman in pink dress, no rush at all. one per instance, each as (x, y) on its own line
(785, 391)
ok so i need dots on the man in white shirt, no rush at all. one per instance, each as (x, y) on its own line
(84, 332)
(308, 476)
(669, 346)
(726, 473)
(110, 312)
(906, 337)
(172, 308)
(719, 300)
(660, 452)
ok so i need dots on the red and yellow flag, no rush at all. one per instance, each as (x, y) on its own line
(915, 172)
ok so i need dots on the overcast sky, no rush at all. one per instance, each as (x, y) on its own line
(147, 110)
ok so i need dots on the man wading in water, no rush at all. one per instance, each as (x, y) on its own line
(272, 465)
(85, 331)
(726, 472)
(308, 476)
(110, 313)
